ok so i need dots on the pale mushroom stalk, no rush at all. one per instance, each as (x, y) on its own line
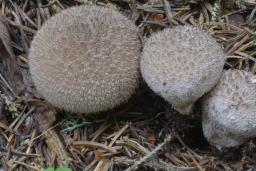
(187, 109)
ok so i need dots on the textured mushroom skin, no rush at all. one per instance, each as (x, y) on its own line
(181, 64)
(229, 110)
(86, 59)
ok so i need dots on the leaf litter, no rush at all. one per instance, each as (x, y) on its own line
(145, 134)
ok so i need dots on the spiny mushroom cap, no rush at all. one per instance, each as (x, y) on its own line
(229, 110)
(181, 64)
(85, 59)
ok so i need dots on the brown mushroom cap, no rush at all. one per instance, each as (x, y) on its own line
(181, 64)
(85, 59)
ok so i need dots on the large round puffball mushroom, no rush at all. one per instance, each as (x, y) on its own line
(85, 59)
(229, 110)
(181, 64)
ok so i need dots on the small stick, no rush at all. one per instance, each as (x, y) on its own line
(20, 153)
(7, 85)
(145, 158)
(167, 10)
(90, 165)
(20, 26)
(135, 145)
(118, 135)
(195, 162)
(94, 145)
(27, 151)
(27, 166)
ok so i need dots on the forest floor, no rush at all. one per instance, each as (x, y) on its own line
(146, 133)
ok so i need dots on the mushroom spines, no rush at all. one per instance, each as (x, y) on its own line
(85, 59)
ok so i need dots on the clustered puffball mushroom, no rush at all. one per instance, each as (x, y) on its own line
(181, 64)
(229, 110)
(85, 59)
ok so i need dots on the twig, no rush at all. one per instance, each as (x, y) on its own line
(27, 151)
(7, 85)
(145, 158)
(88, 167)
(20, 153)
(55, 144)
(167, 10)
(27, 166)
(94, 145)
(20, 26)
(118, 135)
(135, 145)
(195, 162)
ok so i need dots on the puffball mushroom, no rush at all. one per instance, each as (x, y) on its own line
(181, 64)
(85, 59)
(229, 110)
